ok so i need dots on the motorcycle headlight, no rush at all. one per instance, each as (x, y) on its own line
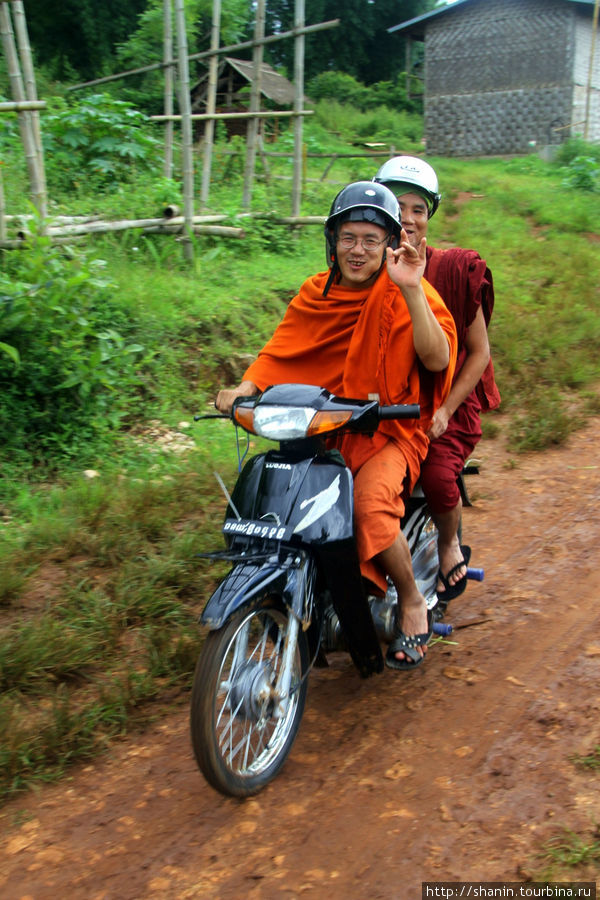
(282, 424)
(279, 423)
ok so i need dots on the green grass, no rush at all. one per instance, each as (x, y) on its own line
(590, 761)
(100, 584)
(570, 853)
(110, 620)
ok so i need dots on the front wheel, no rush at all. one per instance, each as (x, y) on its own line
(240, 738)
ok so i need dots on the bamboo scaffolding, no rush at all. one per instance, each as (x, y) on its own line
(186, 125)
(168, 89)
(30, 89)
(22, 241)
(252, 127)
(19, 96)
(62, 220)
(263, 159)
(205, 54)
(334, 156)
(211, 100)
(2, 210)
(176, 226)
(298, 105)
(23, 106)
(103, 227)
(27, 105)
(261, 114)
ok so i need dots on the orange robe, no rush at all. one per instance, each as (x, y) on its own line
(357, 342)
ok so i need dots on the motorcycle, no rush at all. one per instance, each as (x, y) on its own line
(295, 591)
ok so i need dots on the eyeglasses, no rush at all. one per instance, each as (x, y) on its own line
(348, 241)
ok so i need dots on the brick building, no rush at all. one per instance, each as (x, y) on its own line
(502, 76)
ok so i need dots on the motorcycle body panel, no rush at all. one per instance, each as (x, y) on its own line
(312, 496)
(300, 503)
(239, 586)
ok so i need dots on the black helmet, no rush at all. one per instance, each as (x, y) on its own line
(361, 201)
(365, 201)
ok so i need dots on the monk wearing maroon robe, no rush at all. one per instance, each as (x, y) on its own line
(371, 326)
(464, 281)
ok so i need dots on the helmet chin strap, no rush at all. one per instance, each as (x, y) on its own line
(333, 272)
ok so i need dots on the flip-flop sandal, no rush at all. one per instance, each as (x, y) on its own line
(454, 590)
(407, 644)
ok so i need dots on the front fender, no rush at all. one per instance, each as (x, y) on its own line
(243, 583)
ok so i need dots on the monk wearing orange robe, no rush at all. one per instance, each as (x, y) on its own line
(371, 326)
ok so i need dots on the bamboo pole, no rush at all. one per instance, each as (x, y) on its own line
(168, 86)
(298, 104)
(62, 220)
(24, 105)
(176, 226)
(103, 227)
(2, 209)
(205, 54)
(25, 124)
(211, 100)
(252, 127)
(263, 158)
(30, 89)
(186, 125)
(372, 154)
(260, 114)
(588, 95)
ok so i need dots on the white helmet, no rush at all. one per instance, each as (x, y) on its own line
(412, 172)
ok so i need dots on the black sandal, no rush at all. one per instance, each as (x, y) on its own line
(407, 644)
(454, 590)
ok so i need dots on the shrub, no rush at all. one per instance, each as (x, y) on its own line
(66, 371)
(574, 147)
(402, 129)
(582, 172)
(97, 140)
(344, 89)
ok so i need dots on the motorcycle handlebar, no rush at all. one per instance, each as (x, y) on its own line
(400, 411)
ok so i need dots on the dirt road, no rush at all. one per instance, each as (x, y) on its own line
(458, 771)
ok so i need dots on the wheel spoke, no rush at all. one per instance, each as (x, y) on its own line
(239, 743)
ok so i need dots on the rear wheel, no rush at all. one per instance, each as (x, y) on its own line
(239, 737)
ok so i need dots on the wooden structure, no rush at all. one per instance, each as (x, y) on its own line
(234, 81)
(506, 76)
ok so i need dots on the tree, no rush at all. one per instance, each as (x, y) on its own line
(145, 44)
(77, 37)
(359, 46)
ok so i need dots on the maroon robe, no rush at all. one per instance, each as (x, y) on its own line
(465, 283)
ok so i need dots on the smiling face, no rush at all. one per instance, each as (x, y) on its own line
(360, 267)
(414, 214)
